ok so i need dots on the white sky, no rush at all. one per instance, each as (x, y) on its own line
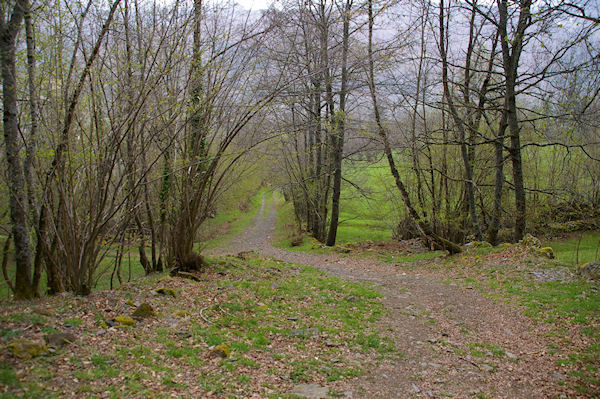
(255, 4)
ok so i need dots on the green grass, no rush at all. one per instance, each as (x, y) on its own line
(563, 305)
(231, 221)
(276, 318)
(577, 249)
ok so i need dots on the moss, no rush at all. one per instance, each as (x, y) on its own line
(130, 303)
(220, 350)
(182, 313)
(144, 310)
(125, 321)
(547, 252)
(530, 241)
(166, 291)
(26, 349)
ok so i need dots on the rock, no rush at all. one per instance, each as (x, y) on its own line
(58, 340)
(182, 314)
(305, 332)
(274, 286)
(487, 367)
(559, 376)
(546, 252)
(262, 306)
(124, 321)
(332, 344)
(130, 303)
(351, 298)
(343, 250)
(43, 312)
(293, 318)
(27, 349)
(221, 351)
(416, 388)
(478, 244)
(590, 270)
(166, 291)
(310, 391)
(530, 241)
(511, 356)
(183, 334)
(245, 255)
(143, 311)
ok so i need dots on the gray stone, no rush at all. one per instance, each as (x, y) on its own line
(310, 391)
(305, 332)
(487, 367)
(274, 286)
(559, 376)
(416, 388)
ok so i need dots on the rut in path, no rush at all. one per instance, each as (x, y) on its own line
(437, 325)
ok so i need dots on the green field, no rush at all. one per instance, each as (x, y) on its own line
(578, 249)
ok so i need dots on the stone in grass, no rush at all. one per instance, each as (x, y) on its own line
(220, 350)
(124, 321)
(546, 252)
(305, 332)
(143, 311)
(182, 314)
(166, 291)
(310, 391)
(58, 340)
(27, 349)
(590, 270)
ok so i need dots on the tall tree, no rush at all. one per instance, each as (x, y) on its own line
(10, 25)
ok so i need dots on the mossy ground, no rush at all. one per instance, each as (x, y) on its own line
(260, 308)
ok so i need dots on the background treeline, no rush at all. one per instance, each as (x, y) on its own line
(486, 114)
(126, 121)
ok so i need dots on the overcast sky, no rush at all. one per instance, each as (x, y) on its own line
(255, 4)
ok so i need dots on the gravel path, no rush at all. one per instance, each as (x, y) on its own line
(451, 335)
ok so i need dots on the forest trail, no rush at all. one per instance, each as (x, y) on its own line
(457, 343)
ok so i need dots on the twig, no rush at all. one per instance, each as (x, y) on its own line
(204, 318)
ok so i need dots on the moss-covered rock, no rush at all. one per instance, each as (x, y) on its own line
(124, 321)
(590, 270)
(60, 339)
(546, 252)
(143, 311)
(27, 349)
(221, 350)
(130, 303)
(182, 313)
(478, 244)
(530, 241)
(166, 291)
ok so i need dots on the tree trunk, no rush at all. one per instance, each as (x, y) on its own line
(424, 231)
(340, 126)
(23, 287)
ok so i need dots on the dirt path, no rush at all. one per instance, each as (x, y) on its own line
(457, 343)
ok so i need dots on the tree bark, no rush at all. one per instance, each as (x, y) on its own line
(340, 125)
(23, 287)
